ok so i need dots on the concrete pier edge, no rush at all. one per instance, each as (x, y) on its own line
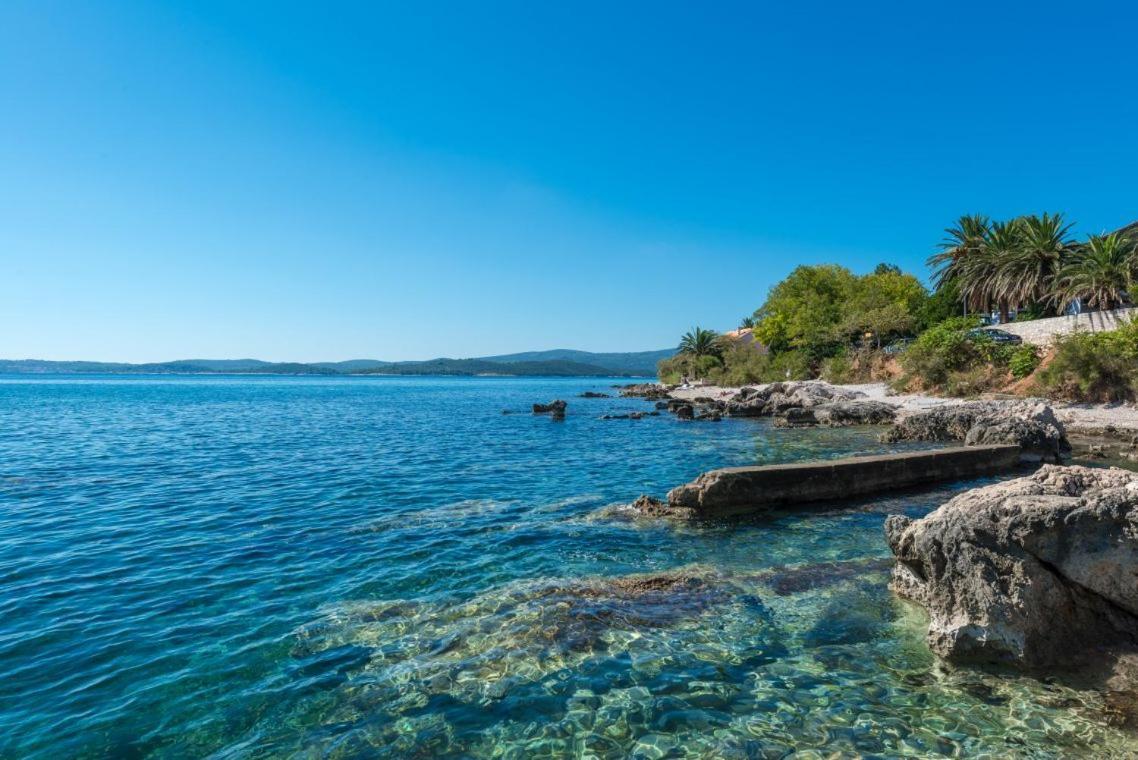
(741, 490)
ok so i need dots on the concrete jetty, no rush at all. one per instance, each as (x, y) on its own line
(739, 490)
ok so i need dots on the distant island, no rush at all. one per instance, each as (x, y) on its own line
(557, 362)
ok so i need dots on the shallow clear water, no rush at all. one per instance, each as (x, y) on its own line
(309, 567)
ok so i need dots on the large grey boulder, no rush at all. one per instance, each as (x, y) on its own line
(1030, 571)
(1031, 424)
(777, 398)
(840, 413)
(650, 391)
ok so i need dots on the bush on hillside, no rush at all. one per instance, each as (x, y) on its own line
(1023, 361)
(864, 364)
(742, 364)
(678, 367)
(1096, 367)
(952, 357)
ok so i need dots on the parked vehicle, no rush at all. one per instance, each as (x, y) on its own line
(898, 346)
(997, 336)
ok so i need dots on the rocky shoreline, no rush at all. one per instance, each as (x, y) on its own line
(1038, 573)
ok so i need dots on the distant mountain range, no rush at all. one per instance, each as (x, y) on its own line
(557, 362)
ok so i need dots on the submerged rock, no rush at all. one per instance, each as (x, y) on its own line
(797, 579)
(556, 408)
(594, 394)
(1030, 571)
(1030, 424)
(524, 626)
(650, 506)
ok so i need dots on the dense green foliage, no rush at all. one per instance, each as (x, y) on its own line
(1030, 263)
(1023, 361)
(1101, 273)
(802, 312)
(820, 319)
(1100, 366)
(825, 321)
(819, 316)
(953, 357)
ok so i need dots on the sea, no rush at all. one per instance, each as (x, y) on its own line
(357, 567)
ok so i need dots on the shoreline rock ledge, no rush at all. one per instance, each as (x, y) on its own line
(1032, 572)
(1031, 424)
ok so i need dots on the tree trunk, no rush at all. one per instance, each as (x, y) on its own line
(1004, 319)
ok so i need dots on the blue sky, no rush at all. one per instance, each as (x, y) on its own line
(303, 181)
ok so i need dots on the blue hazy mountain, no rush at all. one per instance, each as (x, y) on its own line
(633, 363)
(557, 362)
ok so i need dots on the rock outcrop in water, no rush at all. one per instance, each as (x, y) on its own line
(1031, 571)
(650, 506)
(1031, 424)
(555, 408)
(649, 391)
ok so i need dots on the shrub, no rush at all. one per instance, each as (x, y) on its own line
(838, 369)
(1094, 366)
(974, 381)
(864, 364)
(952, 357)
(790, 365)
(942, 350)
(742, 364)
(1024, 359)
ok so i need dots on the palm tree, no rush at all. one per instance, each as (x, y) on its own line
(1029, 259)
(963, 243)
(747, 322)
(982, 277)
(700, 342)
(1100, 273)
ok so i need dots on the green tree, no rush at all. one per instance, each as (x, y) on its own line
(700, 342)
(802, 312)
(982, 276)
(961, 250)
(1027, 264)
(942, 304)
(882, 305)
(1099, 273)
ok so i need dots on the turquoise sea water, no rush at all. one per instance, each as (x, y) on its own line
(371, 567)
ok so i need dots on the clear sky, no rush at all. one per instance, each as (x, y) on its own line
(320, 181)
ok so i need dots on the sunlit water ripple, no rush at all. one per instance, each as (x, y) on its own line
(308, 567)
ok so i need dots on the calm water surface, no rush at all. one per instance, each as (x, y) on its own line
(310, 567)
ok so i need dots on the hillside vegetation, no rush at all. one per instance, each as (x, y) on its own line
(824, 321)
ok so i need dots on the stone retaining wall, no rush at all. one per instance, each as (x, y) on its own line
(1042, 332)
